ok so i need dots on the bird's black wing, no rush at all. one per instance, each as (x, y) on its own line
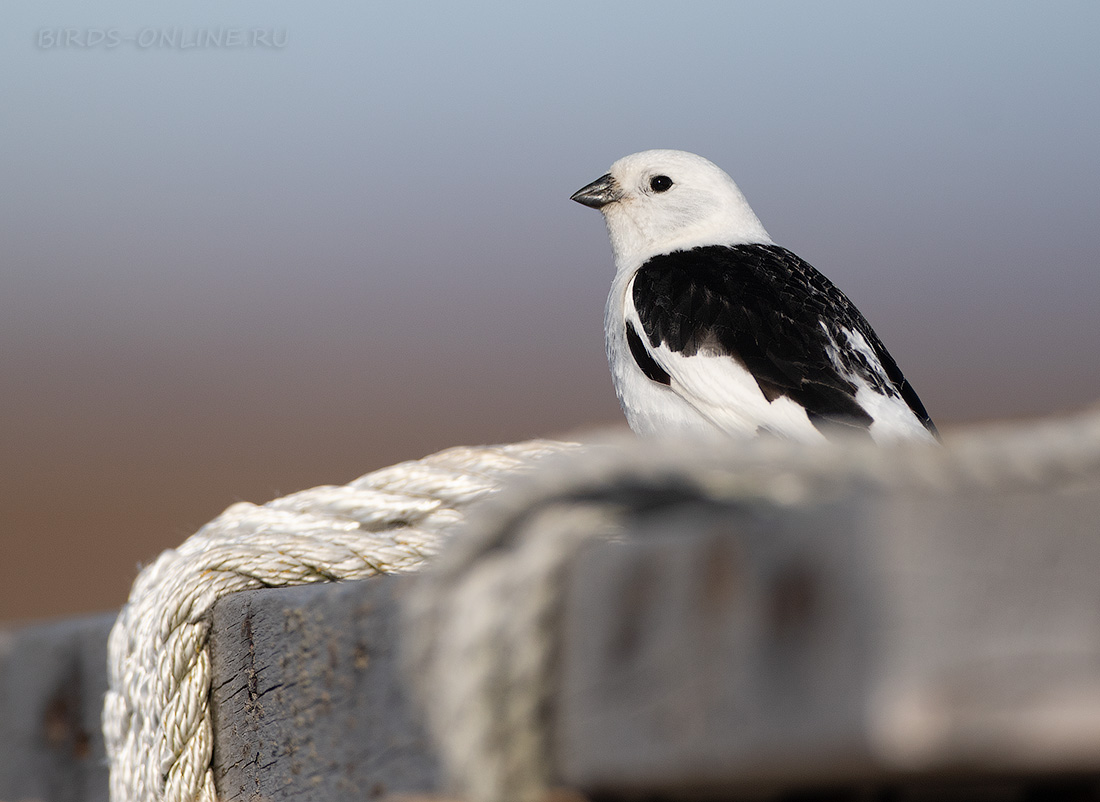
(779, 317)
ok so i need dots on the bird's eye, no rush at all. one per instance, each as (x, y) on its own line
(660, 183)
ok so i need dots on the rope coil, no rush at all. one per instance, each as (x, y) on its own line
(156, 715)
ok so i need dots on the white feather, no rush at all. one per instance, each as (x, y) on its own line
(704, 207)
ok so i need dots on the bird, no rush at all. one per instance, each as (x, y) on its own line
(714, 328)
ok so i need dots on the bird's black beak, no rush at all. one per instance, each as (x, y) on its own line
(599, 193)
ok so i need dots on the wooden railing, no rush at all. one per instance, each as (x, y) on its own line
(916, 643)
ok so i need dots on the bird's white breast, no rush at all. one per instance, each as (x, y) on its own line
(650, 408)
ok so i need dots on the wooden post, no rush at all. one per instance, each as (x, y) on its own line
(885, 640)
(308, 697)
(52, 680)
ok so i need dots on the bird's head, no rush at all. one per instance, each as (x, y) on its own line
(659, 201)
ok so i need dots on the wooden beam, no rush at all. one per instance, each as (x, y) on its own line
(52, 680)
(308, 695)
(879, 639)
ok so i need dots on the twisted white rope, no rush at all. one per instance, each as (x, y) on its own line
(156, 716)
(482, 633)
(485, 628)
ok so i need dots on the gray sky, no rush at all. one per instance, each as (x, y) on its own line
(230, 272)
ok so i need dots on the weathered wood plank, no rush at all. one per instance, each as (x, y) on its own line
(308, 696)
(52, 680)
(876, 643)
(879, 639)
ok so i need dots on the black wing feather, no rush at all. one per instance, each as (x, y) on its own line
(764, 306)
(647, 363)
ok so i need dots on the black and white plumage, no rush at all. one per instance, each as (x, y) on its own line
(711, 326)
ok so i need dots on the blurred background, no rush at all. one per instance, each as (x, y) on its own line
(252, 247)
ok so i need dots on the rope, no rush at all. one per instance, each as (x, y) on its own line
(156, 715)
(482, 632)
(483, 627)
